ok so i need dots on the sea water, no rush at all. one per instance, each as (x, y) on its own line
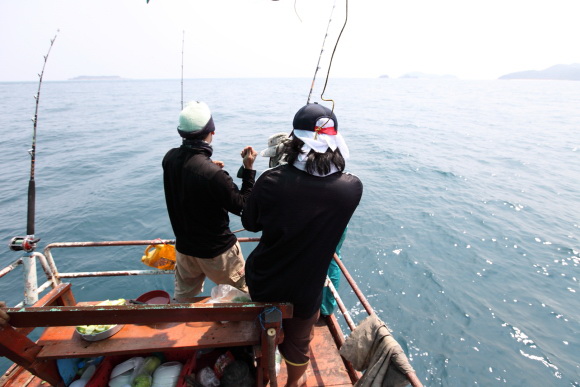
(466, 240)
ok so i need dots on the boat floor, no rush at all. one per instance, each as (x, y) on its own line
(326, 366)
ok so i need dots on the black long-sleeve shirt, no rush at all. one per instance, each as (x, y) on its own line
(199, 195)
(302, 218)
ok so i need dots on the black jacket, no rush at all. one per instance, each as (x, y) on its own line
(302, 218)
(199, 195)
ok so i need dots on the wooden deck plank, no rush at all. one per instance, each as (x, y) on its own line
(61, 342)
(18, 376)
(326, 366)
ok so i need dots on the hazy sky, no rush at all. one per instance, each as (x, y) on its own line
(471, 39)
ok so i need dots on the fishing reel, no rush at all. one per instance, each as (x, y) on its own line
(27, 243)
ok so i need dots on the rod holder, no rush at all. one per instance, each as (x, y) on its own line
(27, 243)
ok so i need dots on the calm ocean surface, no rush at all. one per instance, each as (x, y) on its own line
(466, 241)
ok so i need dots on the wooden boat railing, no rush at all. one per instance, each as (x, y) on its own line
(59, 305)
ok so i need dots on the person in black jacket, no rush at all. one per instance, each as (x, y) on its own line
(199, 194)
(302, 209)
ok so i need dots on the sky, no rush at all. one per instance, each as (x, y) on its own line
(469, 39)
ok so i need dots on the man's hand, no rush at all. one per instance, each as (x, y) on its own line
(249, 155)
(3, 315)
(218, 163)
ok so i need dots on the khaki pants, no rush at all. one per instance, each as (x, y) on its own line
(190, 272)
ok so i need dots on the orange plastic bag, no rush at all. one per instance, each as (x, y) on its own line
(161, 256)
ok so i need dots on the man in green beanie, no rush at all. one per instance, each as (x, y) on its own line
(199, 195)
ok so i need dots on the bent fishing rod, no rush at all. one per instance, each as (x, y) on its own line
(28, 242)
(331, 57)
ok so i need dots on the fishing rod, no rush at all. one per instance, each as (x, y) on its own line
(28, 243)
(182, 45)
(321, 51)
(331, 57)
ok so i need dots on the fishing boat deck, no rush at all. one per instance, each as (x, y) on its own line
(326, 367)
(148, 329)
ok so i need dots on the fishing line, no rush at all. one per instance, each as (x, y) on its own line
(331, 57)
(296, 11)
(182, 45)
(28, 243)
(321, 51)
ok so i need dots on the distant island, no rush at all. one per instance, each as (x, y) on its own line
(418, 75)
(96, 78)
(558, 72)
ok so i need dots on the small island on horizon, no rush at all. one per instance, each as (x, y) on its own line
(420, 75)
(570, 72)
(558, 72)
(96, 78)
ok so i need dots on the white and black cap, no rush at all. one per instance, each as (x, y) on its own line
(317, 127)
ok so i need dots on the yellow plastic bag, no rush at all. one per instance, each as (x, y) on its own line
(161, 256)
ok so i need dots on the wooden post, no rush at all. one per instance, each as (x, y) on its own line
(271, 324)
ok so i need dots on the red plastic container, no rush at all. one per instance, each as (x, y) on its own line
(155, 297)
